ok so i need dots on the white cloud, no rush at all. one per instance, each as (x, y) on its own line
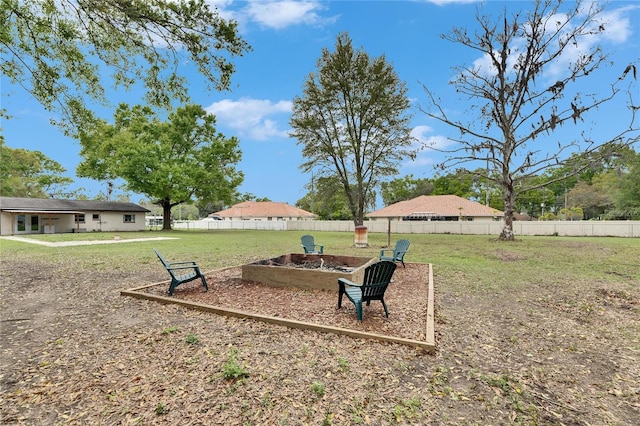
(427, 146)
(281, 14)
(610, 26)
(273, 14)
(252, 118)
(617, 26)
(224, 9)
(446, 2)
(419, 161)
(426, 142)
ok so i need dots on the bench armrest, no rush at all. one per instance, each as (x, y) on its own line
(174, 268)
(344, 281)
(182, 263)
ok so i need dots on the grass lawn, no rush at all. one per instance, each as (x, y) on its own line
(544, 330)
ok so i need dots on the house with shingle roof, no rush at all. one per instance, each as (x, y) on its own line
(437, 207)
(263, 210)
(20, 216)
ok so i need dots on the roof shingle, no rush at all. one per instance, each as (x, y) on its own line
(437, 205)
(250, 209)
(49, 204)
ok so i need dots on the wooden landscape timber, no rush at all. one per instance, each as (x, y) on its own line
(428, 345)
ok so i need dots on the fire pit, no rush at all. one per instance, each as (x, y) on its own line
(307, 271)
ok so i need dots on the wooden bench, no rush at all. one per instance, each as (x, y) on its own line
(182, 272)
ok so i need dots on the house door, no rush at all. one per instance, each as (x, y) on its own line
(27, 224)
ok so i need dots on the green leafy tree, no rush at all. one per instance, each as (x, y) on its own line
(31, 174)
(562, 179)
(597, 197)
(404, 188)
(513, 116)
(248, 196)
(627, 198)
(548, 216)
(352, 122)
(536, 202)
(326, 199)
(208, 207)
(565, 181)
(577, 213)
(573, 213)
(171, 162)
(154, 209)
(185, 212)
(65, 52)
(460, 183)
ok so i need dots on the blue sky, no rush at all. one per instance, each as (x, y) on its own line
(287, 38)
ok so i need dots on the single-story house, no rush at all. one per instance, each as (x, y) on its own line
(49, 216)
(437, 207)
(262, 210)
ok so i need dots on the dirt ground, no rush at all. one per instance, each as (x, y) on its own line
(76, 352)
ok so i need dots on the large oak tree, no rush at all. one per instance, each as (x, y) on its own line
(172, 162)
(25, 173)
(352, 122)
(515, 114)
(65, 52)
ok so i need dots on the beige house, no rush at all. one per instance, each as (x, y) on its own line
(262, 210)
(437, 207)
(19, 216)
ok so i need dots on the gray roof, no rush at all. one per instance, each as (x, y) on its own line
(53, 205)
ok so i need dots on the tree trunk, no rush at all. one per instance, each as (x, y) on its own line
(166, 215)
(358, 220)
(509, 207)
(507, 232)
(360, 206)
(353, 207)
(361, 214)
(358, 216)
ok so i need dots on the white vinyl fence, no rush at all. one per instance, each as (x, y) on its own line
(559, 228)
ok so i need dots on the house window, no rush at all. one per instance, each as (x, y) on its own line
(80, 218)
(21, 221)
(27, 223)
(96, 217)
(129, 218)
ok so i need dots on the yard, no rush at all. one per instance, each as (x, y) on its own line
(545, 330)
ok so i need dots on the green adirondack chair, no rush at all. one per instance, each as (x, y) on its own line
(309, 245)
(182, 272)
(401, 248)
(376, 280)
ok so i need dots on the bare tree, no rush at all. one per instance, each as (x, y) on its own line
(516, 115)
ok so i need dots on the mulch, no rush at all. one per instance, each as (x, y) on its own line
(406, 298)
